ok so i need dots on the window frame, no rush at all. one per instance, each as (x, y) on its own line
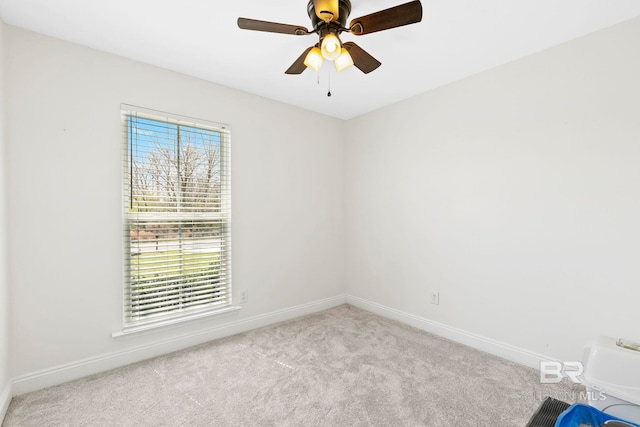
(131, 325)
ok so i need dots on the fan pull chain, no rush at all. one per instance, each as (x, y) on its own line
(329, 79)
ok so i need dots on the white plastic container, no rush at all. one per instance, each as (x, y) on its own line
(612, 377)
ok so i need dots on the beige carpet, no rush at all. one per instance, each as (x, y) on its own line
(340, 367)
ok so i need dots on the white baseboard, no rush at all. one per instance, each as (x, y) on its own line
(5, 400)
(488, 345)
(82, 368)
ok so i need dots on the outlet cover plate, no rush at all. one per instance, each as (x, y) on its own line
(435, 298)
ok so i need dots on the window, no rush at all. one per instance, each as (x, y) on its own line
(176, 217)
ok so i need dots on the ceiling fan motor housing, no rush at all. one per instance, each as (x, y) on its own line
(344, 8)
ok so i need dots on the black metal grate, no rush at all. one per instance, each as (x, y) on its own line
(548, 413)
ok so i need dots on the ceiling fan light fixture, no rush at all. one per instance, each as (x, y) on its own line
(330, 47)
(314, 59)
(329, 19)
(327, 10)
(343, 61)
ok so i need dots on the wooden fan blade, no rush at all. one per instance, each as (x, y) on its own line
(298, 66)
(405, 14)
(271, 27)
(361, 59)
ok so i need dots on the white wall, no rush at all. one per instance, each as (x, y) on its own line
(514, 193)
(64, 151)
(4, 284)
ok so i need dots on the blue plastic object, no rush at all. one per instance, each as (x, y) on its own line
(578, 415)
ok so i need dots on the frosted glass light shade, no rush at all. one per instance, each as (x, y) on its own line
(327, 10)
(314, 59)
(343, 61)
(330, 47)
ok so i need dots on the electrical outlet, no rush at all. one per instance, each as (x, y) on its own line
(244, 297)
(435, 298)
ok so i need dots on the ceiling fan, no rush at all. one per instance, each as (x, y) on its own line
(329, 19)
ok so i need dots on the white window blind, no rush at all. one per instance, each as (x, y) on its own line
(176, 216)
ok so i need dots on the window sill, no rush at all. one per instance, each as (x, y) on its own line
(152, 326)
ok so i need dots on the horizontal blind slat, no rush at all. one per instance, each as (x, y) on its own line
(145, 304)
(139, 291)
(170, 309)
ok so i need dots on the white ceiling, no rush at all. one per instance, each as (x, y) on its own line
(456, 38)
